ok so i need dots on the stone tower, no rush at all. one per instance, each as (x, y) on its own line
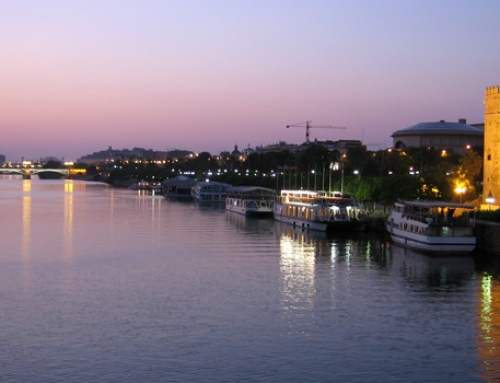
(491, 168)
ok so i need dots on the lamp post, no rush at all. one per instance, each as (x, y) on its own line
(460, 191)
(489, 200)
(333, 166)
(342, 162)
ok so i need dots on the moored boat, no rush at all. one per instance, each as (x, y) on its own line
(210, 191)
(178, 187)
(432, 226)
(250, 200)
(319, 210)
(146, 186)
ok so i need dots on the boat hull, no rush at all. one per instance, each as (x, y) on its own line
(255, 212)
(209, 197)
(357, 225)
(302, 223)
(435, 244)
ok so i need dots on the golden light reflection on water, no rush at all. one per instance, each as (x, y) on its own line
(69, 188)
(297, 270)
(147, 200)
(489, 327)
(343, 248)
(26, 220)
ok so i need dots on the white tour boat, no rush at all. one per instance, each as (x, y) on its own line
(250, 200)
(432, 226)
(319, 210)
(210, 191)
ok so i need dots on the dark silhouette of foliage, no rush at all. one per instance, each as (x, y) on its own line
(383, 176)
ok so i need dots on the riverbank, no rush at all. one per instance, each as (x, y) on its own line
(378, 218)
(487, 237)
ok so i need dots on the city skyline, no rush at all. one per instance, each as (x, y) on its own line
(78, 77)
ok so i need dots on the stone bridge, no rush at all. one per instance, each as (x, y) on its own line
(28, 172)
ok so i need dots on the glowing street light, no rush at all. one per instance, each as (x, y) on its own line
(489, 200)
(460, 191)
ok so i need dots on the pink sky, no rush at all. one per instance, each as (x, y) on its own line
(78, 77)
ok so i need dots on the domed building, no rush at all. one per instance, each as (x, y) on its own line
(441, 135)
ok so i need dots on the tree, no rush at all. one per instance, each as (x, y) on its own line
(469, 171)
(314, 154)
(52, 165)
(391, 188)
(356, 159)
(201, 164)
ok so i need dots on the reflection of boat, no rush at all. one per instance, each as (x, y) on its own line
(431, 269)
(319, 210)
(146, 186)
(250, 200)
(251, 224)
(363, 249)
(209, 206)
(210, 191)
(302, 236)
(141, 185)
(432, 227)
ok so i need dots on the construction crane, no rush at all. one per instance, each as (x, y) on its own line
(308, 126)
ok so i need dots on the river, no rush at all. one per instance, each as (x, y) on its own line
(108, 285)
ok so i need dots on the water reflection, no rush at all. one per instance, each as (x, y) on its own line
(298, 251)
(210, 205)
(26, 220)
(432, 270)
(343, 246)
(249, 224)
(327, 271)
(69, 188)
(489, 317)
(489, 329)
(132, 280)
(43, 215)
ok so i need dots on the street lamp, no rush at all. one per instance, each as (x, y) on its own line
(460, 191)
(342, 174)
(489, 200)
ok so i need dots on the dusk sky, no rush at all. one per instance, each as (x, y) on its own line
(79, 76)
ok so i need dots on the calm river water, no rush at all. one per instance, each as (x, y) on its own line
(106, 285)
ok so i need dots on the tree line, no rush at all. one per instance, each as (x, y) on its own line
(381, 176)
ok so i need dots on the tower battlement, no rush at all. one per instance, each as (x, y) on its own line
(492, 101)
(492, 90)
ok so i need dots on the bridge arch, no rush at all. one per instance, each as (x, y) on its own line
(27, 172)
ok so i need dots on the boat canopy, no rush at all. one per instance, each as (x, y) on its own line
(249, 191)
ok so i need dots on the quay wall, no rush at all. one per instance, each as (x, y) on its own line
(377, 219)
(377, 224)
(487, 237)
